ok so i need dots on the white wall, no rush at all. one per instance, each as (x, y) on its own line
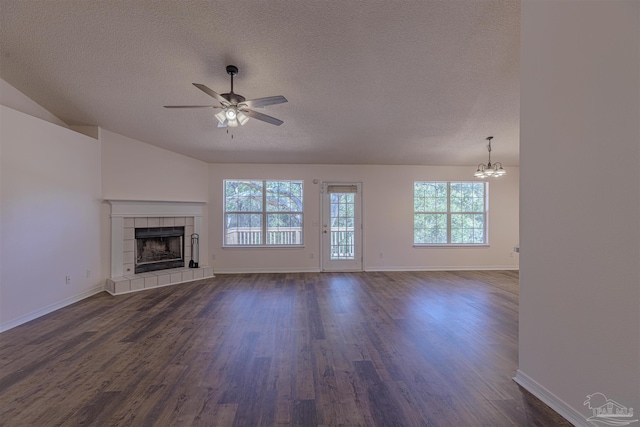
(13, 98)
(134, 170)
(49, 216)
(580, 203)
(387, 215)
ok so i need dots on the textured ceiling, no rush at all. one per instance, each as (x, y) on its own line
(368, 82)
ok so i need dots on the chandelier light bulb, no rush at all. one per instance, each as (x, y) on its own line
(231, 113)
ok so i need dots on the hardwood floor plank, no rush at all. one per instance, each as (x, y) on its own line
(384, 408)
(237, 375)
(299, 349)
(252, 403)
(304, 413)
(313, 310)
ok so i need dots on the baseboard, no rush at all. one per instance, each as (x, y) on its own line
(439, 268)
(551, 400)
(266, 270)
(376, 268)
(50, 308)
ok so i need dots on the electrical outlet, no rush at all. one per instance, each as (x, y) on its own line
(311, 255)
(88, 273)
(68, 280)
(213, 257)
(381, 255)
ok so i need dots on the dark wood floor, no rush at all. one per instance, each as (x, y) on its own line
(331, 349)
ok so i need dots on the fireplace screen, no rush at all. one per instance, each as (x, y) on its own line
(159, 248)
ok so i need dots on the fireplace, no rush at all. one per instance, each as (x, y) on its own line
(158, 248)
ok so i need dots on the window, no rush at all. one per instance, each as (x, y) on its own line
(263, 213)
(450, 213)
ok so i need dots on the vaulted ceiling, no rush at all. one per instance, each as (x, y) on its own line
(368, 82)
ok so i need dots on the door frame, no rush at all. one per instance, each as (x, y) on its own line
(358, 228)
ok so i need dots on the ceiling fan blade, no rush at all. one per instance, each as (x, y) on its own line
(192, 106)
(262, 117)
(263, 102)
(209, 92)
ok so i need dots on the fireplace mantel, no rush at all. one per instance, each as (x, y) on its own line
(142, 208)
(138, 209)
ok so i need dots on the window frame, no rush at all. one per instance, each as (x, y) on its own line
(449, 213)
(264, 214)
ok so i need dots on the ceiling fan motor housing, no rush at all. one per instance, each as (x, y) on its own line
(233, 98)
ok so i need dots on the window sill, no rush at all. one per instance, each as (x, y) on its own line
(262, 246)
(452, 246)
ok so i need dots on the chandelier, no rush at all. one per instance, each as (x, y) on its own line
(495, 170)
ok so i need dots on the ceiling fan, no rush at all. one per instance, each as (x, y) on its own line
(236, 110)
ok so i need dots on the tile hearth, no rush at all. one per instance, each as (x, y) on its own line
(155, 279)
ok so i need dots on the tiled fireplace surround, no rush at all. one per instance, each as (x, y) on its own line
(126, 216)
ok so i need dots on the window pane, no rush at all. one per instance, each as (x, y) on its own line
(243, 196)
(467, 197)
(243, 229)
(284, 196)
(430, 196)
(478, 205)
(456, 235)
(231, 204)
(467, 228)
(438, 236)
(430, 228)
(284, 229)
(341, 221)
(441, 204)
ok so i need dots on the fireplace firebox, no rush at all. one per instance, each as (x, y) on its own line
(159, 248)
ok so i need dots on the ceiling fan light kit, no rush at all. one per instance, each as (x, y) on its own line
(490, 170)
(236, 109)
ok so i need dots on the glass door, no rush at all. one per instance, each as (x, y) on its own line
(341, 227)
